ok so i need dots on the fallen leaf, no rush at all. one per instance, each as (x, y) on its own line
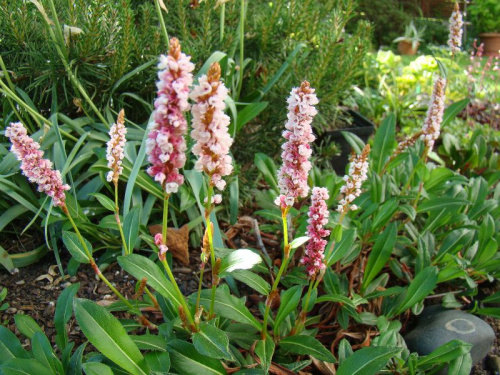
(177, 241)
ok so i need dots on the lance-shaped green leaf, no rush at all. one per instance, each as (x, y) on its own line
(298, 242)
(367, 361)
(141, 267)
(20, 366)
(421, 286)
(158, 362)
(380, 254)
(105, 201)
(306, 345)
(265, 350)
(42, 350)
(10, 347)
(289, 301)
(27, 325)
(96, 368)
(106, 333)
(253, 280)
(446, 353)
(131, 227)
(75, 247)
(212, 342)
(461, 365)
(64, 309)
(383, 143)
(228, 306)
(241, 259)
(187, 361)
(439, 203)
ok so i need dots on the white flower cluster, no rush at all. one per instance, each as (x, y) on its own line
(456, 30)
(358, 173)
(114, 152)
(432, 125)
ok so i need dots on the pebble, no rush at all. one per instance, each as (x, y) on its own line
(437, 326)
(11, 310)
(20, 282)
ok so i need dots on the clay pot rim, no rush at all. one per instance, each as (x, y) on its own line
(489, 35)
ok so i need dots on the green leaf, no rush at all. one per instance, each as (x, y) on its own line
(306, 345)
(253, 281)
(64, 309)
(445, 353)
(19, 366)
(461, 365)
(241, 259)
(106, 333)
(367, 361)
(494, 298)
(265, 350)
(354, 141)
(150, 342)
(212, 342)
(6, 260)
(75, 248)
(453, 242)
(439, 203)
(10, 347)
(141, 267)
(158, 362)
(248, 113)
(384, 143)
(96, 368)
(234, 199)
(131, 227)
(105, 201)
(490, 311)
(421, 286)
(187, 361)
(342, 247)
(42, 350)
(299, 241)
(267, 167)
(453, 110)
(27, 325)
(289, 301)
(228, 306)
(380, 254)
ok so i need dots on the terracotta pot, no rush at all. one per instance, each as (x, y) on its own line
(406, 48)
(491, 43)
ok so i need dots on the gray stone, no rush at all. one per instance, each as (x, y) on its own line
(437, 326)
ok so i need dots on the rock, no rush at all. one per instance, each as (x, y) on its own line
(437, 326)
(177, 241)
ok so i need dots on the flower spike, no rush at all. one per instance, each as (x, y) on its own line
(166, 145)
(114, 152)
(210, 128)
(34, 166)
(297, 149)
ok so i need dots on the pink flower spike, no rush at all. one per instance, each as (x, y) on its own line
(114, 153)
(432, 125)
(456, 30)
(166, 145)
(358, 173)
(210, 128)
(292, 176)
(318, 218)
(33, 166)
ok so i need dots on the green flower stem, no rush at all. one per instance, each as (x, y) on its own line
(117, 217)
(423, 158)
(162, 22)
(284, 263)
(93, 264)
(211, 243)
(242, 44)
(167, 267)
(166, 196)
(222, 21)
(179, 293)
(198, 296)
(299, 322)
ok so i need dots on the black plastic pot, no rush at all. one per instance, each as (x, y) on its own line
(361, 126)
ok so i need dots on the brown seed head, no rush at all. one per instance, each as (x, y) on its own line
(175, 48)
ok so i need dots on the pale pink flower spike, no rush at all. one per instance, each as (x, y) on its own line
(166, 145)
(456, 30)
(210, 128)
(114, 152)
(432, 125)
(33, 166)
(292, 176)
(318, 218)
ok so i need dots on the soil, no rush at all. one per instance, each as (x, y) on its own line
(34, 291)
